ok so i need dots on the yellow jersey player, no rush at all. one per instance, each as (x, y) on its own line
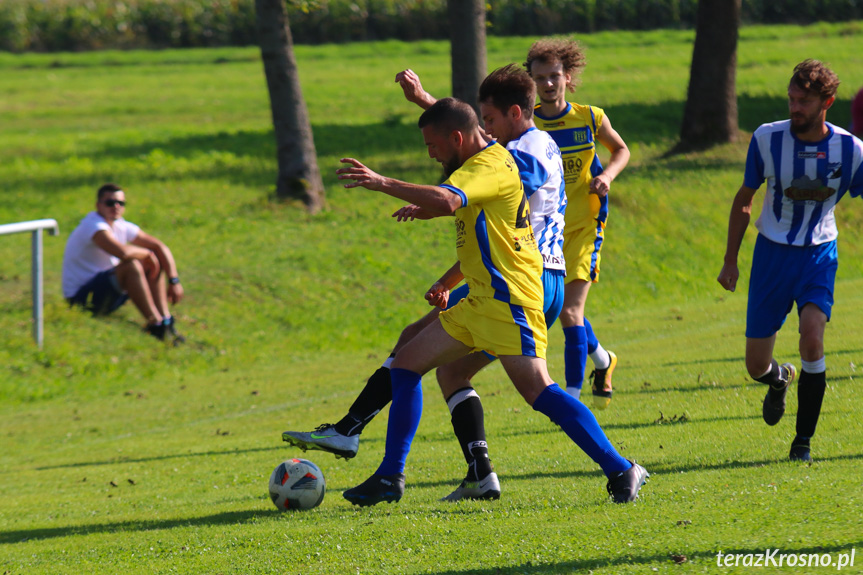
(503, 313)
(555, 65)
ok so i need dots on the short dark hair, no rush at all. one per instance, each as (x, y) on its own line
(450, 114)
(814, 76)
(509, 86)
(107, 189)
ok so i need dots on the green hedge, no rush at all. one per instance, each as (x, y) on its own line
(74, 25)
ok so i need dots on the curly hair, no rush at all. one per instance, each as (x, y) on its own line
(563, 50)
(814, 76)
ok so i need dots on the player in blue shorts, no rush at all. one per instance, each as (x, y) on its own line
(507, 97)
(809, 165)
(498, 255)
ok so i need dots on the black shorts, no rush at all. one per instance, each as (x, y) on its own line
(101, 295)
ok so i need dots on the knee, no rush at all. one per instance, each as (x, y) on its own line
(449, 380)
(130, 267)
(811, 346)
(757, 367)
(570, 316)
(410, 332)
(152, 266)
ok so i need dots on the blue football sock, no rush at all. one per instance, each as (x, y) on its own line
(405, 412)
(592, 342)
(575, 354)
(581, 426)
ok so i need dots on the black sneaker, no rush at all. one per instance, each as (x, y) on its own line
(157, 330)
(773, 407)
(624, 488)
(800, 450)
(171, 327)
(376, 489)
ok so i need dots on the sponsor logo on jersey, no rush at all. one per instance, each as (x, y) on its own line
(550, 125)
(835, 171)
(580, 136)
(811, 155)
(459, 232)
(549, 259)
(807, 189)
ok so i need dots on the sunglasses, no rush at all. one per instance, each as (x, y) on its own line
(112, 203)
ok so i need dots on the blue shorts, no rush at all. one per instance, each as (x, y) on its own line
(106, 294)
(553, 290)
(782, 275)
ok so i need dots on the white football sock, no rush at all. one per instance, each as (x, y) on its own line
(600, 357)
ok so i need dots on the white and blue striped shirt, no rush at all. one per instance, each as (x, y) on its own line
(805, 181)
(541, 170)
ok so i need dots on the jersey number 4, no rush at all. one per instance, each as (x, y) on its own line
(521, 217)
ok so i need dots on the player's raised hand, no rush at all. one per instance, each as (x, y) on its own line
(600, 185)
(413, 89)
(438, 295)
(728, 276)
(360, 175)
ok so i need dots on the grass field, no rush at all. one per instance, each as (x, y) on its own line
(123, 456)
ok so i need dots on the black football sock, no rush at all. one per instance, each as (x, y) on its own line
(810, 394)
(469, 426)
(377, 393)
(773, 378)
(776, 379)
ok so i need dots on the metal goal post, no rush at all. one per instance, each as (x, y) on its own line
(36, 227)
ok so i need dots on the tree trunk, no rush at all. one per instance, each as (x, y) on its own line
(299, 176)
(467, 48)
(710, 116)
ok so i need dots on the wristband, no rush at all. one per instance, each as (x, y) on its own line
(174, 281)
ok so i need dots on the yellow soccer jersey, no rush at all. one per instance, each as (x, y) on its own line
(494, 241)
(574, 131)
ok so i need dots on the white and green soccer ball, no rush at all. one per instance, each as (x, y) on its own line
(297, 485)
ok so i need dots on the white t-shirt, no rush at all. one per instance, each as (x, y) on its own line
(83, 259)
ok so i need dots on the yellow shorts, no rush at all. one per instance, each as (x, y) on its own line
(581, 248)
(486, 324)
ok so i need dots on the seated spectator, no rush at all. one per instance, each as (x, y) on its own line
(109, 260)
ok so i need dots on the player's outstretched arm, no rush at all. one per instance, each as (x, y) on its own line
(412, 212)
(434, 199)
(738, 221)
(612, 141)
(413, 89)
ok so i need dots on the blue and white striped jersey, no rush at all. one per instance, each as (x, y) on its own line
(541, 170)
(805, 180)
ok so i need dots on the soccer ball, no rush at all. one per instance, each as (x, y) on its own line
(296, 485)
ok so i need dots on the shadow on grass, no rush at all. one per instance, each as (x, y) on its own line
(645, 123)
(628, 560)
(227, 518)
(703, 361)
(387, 138)
(122, 461)
(652, 468)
